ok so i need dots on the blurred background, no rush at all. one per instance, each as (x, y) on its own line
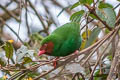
(29, 21)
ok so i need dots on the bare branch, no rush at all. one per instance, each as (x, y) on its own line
(10, 13)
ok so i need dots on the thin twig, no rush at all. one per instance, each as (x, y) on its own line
(39, 17)
(20, 18)
(77, 74)
(87, 23)
(12, 30)
(51, 18)
(59, 5)
(116, 6)
(37, 78)
(26, 18)
(115, 62)
(57, 75)
(9, 13)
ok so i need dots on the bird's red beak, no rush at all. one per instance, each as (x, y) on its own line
(41, 52)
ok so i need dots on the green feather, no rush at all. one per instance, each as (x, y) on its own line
(66, 39)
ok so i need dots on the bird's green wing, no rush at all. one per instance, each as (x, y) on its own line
(68, 28)
(69, 37)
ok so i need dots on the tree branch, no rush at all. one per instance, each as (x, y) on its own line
(92, 10)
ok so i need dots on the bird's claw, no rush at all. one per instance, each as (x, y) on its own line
(55, 62)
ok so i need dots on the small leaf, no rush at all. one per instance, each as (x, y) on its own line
(86, 1)
(33, 74)
(2, 61)
(93, 16)
(110, 57)
(107, 31)
(8, 50)
(75, 5)
(89, 1)
(63, 10)
(83, 1)
(27, 60)
(104, 5)
(110, 16)
(100, 14)
(93, 36)
(23, 52)
(83, 45)
(36, 36)
(107, 15)
(76, 17)
(99, 76)
(84, 36)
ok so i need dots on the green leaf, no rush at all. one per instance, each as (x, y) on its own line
(107, 15)
(106, 31)
(110, 57)
(8, 50)
(104, 5)
(82, 1)
(93, 16)
(84, 34)
(84, 37)
(2, 61)
(98, 76)
(86, 1)
(63, 10)
(89, 1)
(76, 17)
(23, 52)
(94, 34)
(33, 74)
(118, 0)
(100, 14)
(75, 5)
(20, 57)
(27, 60)
(36, 36)
(110, 16)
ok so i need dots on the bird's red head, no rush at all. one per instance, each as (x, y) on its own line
(46, 48)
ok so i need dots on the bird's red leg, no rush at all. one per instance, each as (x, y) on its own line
(55, 62)
(76, 52)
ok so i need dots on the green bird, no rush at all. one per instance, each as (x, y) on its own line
(63, 41)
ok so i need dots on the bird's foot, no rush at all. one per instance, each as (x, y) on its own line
(76, 52)
(55, 62)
